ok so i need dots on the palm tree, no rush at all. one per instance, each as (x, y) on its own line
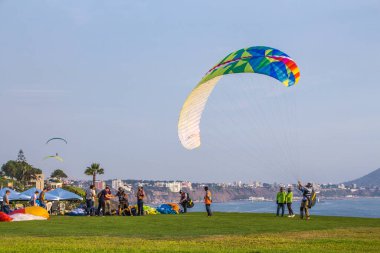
(94, 170)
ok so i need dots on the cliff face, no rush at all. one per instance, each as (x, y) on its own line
(370, 180)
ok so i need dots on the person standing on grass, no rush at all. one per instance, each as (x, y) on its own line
(102, 202)
(140, 201)
(289, 201)
(208, 201)
(90, 200)
(107, 199)
(42, 198)
(5, 207)
(306, 194)
(281, 200)
(184, 200)
(123, 200)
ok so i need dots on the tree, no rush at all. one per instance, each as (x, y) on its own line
(94, 170)
(21, 157)
(58, 174)
(20, 169)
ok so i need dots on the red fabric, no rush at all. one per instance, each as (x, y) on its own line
(5, 217)
(22, 210)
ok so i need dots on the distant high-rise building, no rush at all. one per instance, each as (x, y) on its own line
(99, 185)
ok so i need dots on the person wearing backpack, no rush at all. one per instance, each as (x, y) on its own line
(123, 201)
(289, 201)
(184, 200)
(306, 199)
(208, 201)
(281, 200)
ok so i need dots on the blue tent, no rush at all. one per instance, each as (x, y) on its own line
(14, 195)
(61, 194)
(30, 192)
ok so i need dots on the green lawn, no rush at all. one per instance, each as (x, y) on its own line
(193, 232)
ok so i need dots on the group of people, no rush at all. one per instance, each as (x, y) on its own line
(105, 196)
(104, 201)
(286, 198)
(38, 199)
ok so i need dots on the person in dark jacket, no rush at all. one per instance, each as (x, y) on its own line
(123, 200)
(184, 200)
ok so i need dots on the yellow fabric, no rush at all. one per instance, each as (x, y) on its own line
(37, 211)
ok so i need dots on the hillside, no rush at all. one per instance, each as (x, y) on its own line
(370, 180)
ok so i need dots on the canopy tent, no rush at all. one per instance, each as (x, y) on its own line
(14, 195)
(30, 191)
(61, 194)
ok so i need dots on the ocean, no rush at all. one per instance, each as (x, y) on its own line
(358, 207)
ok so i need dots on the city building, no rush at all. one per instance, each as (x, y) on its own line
(55, 185)
(100, 185)
(186, 184)
(38, 182)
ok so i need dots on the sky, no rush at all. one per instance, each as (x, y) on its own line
(111, 78)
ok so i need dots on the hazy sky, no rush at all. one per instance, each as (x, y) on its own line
(111, 78)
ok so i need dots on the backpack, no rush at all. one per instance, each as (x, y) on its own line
(313, 199)
(190, 202)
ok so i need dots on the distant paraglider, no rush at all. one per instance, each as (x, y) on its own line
(56, 138)
(259, 59)
(56, 156)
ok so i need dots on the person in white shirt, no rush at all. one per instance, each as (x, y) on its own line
(90, 200)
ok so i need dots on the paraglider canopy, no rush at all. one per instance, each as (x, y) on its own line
(56, 156)
(56, 138)
(260, 59)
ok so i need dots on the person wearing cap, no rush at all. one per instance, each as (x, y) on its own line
(281, 200)
(184, 200)
(306, 194)
(5, 204)
(123, 200)
(289, 201)
(208, 201)
(140, 195)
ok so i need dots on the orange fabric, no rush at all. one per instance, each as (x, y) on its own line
(174, 206)
(208, 198)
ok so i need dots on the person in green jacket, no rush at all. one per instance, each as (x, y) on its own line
(289, 200)
(281, 200)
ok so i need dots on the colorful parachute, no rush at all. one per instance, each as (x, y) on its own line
(57, 157)
(260, 59)
(56, 138)
(26, 214)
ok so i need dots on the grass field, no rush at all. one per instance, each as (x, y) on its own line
(193, 232)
